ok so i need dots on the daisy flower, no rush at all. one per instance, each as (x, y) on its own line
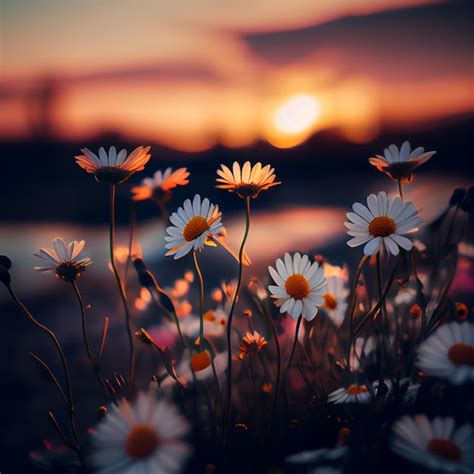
(64, 260)
(160, 184)
(248, 181)
(193, 224)
(300, 285)
(113, 167)
(251, 344)
(352, 394)
(449, 353)
(399, 164)
(383, 221)
(144, 437)
(437, 445)
(335, 298)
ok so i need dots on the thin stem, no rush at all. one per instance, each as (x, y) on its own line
(90, 356)
(164, 211)
(400, 189)
(228, 400)
(55, 423)
(123, 296)
(351, 313)
(52, 336)
(293, 348)
(276, 393)
(52, 377)
(131, 238)
(383, 311)
(201, 299)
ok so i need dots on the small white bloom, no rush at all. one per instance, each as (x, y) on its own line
(436, 444)
(64, 260)
(352, 394)
(383, 221)
(300, 285)
(335, 298)
(193, 224)
(449, 353)
(161, 182)
(399, 164)
(144, 437)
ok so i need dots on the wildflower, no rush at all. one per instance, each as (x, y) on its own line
(383, 221)
(200, 361)
(335, 298)
(449, 353)
(462, 311)
(436, 444)
(300, 285)
(160, 184)
(249, 181)
(113, 167)
(193, 224)
(64, 260)
(267, 388)
(399, 164)
(141, 437)
(252, 343)
(352, 394)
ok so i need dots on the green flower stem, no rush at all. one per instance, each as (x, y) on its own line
(67, 376)
(353, 305)
(123, 296)
(400, 189)
(228, 400)
(94, 362)
(201, 299)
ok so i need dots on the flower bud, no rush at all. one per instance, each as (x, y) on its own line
(5, 265)
(457, 196)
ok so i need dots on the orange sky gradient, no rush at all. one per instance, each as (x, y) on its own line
(190, 75)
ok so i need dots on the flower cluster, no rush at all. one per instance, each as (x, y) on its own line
(260, 359)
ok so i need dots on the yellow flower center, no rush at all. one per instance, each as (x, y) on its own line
(297, 286)
(461, 354)
(195, 227)
(329, 302)
(382, 226)
(356, 389)
(141, 441)
(445, 448)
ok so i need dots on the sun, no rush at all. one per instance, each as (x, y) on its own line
(297, 115)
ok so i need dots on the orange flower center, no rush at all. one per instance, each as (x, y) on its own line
(200, 361)
(445, 448)
(329, 302)
(382, 226)
(297, 286)
(141, 441)
(356, 389)
(461, 354)
(195, 227)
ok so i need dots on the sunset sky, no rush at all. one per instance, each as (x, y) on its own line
(193, 74)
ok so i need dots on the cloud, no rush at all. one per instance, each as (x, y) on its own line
(392, 45)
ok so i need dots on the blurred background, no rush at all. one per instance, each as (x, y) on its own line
(313, 87)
